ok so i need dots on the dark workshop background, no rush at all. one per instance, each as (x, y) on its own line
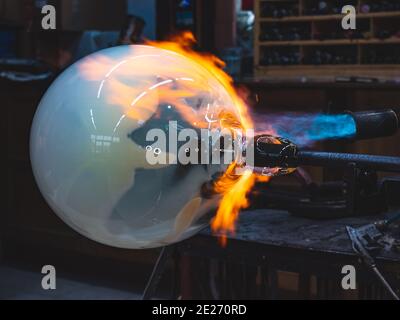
(292, 55)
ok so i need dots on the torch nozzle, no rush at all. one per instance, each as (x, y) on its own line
(375, 123)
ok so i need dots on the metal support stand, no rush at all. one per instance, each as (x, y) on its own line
(158, 270)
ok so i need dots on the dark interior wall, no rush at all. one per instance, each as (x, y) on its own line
(147, 11)
(214, 25)
(225, 24)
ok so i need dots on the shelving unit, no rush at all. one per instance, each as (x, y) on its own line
(366, 52)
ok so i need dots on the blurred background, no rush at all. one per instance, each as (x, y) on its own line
(292, 56)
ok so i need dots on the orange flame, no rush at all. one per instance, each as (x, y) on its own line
(233, 188)
(183, 44)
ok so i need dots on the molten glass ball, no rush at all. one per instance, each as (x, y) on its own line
(89, 148)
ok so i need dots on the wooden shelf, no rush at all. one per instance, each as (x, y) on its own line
(391, 14)
(333, 42)
(378, 70)
(371, 23)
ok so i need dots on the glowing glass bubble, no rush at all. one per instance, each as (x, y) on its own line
(88, 146)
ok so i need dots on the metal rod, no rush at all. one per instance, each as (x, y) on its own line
(329, 159)
(285, 154)
(157, 272)
(384, 282)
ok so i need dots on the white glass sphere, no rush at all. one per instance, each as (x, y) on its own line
(88, 148)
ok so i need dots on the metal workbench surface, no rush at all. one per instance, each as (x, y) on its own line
(279, 229)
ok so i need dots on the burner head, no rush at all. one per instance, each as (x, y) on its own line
(271, 155)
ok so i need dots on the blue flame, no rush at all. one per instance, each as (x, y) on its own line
(305, 129)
